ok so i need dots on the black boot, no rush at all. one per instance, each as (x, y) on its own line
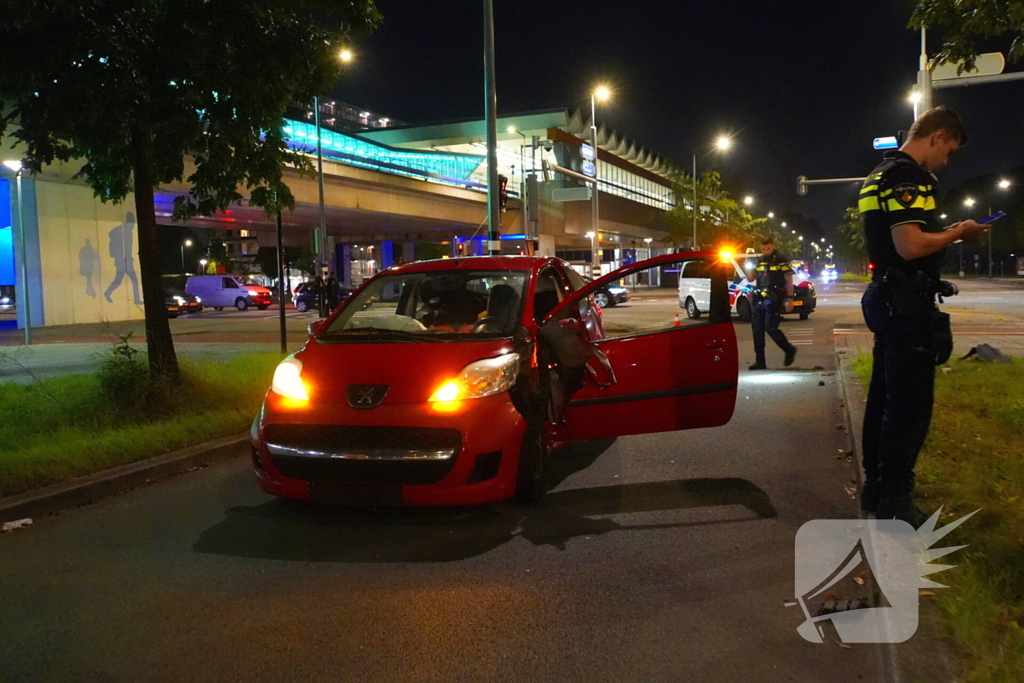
(900, 507)
(790, 356)
(759, 365)
(869, 496)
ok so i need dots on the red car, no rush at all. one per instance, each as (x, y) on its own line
(453, 382)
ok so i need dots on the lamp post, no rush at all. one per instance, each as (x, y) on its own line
(602, 93)
(722, 144)
(186, 243)
(202, 264)
(24, 303)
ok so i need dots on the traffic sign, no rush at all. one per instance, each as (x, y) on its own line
(587, 152)
(988, 64)
(588, 168)
(571, 194)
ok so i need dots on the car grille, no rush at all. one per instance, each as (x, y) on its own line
(346, 453)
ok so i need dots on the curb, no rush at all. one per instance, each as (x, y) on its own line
(926, 657)
(110, 482)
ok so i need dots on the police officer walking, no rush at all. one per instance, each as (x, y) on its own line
(773, 295)
(906, 245)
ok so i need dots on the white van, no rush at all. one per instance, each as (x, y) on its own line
(220, 291)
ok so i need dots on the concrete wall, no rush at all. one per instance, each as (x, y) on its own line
(88, 256)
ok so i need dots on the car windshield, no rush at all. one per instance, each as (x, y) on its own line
(442, 304)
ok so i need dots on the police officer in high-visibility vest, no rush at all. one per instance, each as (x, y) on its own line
(772, 296)
(906, 244)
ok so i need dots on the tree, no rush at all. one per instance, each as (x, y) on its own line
(968, 23)
(134, 88)
(720, 220)
(851, 247)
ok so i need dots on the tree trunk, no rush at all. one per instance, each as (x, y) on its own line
(162, 359)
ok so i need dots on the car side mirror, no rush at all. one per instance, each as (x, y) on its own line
(315, 326)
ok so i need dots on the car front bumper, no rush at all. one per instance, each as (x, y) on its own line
(392, 454)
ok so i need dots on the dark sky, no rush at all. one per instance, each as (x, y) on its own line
(804, 85)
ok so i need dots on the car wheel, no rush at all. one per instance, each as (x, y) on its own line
(241, 304)
(692, 312)
(263, 307)
(743, 310)
(301, 307)
(602, 299)
(804, 316)
(218, 308)
(532, 469)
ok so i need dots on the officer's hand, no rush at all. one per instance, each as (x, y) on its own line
(971, 229)
(789, 305)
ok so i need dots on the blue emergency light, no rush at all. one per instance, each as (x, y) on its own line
(886, 143)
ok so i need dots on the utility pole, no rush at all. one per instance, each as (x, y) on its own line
(281, 271)
(924, 80)
(320, 236)
(595, 214)
(491, 115)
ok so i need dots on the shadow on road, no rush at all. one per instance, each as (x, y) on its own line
(289, 530)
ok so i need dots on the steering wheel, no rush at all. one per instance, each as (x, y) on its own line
(483, 322)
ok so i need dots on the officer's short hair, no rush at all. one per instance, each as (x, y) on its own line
(767, 239)
(940, 119)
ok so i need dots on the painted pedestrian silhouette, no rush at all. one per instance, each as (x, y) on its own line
(121, 239)
(88, 259)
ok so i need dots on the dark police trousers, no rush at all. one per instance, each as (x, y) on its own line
(766, 316)
(899, 409)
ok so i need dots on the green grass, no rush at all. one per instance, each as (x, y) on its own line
(973, 459)
(61, 428)
(854, 277)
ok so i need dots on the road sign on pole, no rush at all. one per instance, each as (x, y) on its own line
(988, 64)
(886, 143)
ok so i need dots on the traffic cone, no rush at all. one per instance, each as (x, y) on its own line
(678, 322)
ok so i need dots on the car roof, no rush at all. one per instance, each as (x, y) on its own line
(522, 263)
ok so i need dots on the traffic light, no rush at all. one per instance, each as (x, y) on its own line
(502, 191)
(461, 248)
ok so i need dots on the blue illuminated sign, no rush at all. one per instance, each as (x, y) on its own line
(886, 143)
(588, 168)
(587, 152)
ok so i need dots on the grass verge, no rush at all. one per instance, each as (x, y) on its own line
(854, 277)
(60, 428)
(973, 459)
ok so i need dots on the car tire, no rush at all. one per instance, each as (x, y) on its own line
(532, 468)
(241, 304)
(301, 306)
(743, 310)
(263, 307)
(218, 308)
(692, 312)
(804, 316)
(602, 299)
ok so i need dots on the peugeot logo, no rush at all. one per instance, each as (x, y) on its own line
(366, 396)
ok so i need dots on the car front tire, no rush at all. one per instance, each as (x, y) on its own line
(301, 307)
(692, 312)
(241, 304)
(602, 299)
(804, 316)
(532, 468)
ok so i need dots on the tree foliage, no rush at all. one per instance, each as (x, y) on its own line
(966, 24)
(135, 88)
(851, 247)
(720, 219)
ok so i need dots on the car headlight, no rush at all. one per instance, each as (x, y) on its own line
(179, 300)
(198, 300)
(288, 380)
(617, 290)
(5, 300)
(251, 293)
(479, 379)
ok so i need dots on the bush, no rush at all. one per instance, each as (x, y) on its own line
(124, 381)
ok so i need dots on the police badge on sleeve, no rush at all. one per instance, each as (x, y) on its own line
(906, 193)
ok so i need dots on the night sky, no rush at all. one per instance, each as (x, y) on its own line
(804, 85)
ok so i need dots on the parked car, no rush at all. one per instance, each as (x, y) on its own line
(695, 289)
(610, 294)
(220, 291)
(451, 382)
(304, 297)
(179, 302)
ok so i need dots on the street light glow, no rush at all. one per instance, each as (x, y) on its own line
(188, 243)
(784, 225)
(723, 143)
(346, 55)
(969, 202)
(771, 214)
(590, 234)
(748, 200)
(602, 93)
(800, 237)
(915, 97)
(943, 216)
(13, 164)
(511, 129)
(1004, 184)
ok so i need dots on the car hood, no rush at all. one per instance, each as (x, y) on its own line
(256, 289)
(412, 371)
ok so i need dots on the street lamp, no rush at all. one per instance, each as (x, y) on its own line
(602, 93)
(968, 202)
(346, 55)
(748, 200)
(203, 262)
(24, 303)
(1004, 184)
(722, 144)
(186, 243)
(771, 214)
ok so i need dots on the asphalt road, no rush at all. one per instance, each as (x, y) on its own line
(663, 557)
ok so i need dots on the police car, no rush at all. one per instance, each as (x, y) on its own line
(695, 289)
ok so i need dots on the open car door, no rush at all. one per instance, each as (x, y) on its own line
(667, 379)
